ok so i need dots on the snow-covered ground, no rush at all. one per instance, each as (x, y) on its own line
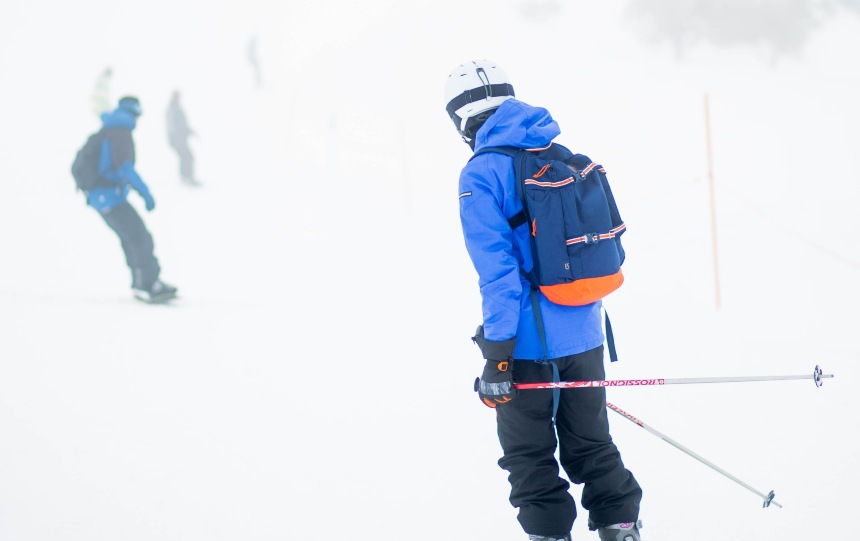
(314, 380)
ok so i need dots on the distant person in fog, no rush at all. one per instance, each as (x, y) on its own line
(178, 133)
(254, 62)
(100, 98)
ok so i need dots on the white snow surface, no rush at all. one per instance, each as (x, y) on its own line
(314, 380)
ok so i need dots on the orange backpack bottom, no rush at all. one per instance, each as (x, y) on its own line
(584, 290)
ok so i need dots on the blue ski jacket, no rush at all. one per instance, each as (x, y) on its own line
(488, 198)
(116, 162)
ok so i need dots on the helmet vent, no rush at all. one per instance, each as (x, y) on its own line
(482, 75)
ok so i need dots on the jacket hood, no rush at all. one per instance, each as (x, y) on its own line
(517, 124)
(120, 118)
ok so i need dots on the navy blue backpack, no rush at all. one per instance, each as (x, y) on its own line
(574, 224)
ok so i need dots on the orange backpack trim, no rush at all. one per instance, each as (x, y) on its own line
(583, 291)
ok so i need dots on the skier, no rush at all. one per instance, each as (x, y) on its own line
(480, 100)
(116, 166)
(100, 98)
(254, 61)
(178, 133)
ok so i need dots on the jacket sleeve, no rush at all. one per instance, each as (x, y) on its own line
(489, 242)
(122, 155)
(128, 174)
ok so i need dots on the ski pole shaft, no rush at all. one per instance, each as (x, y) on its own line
(817, 376)
(768, 498)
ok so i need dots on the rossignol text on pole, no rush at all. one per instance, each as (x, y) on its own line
(768, 498)
(816, 376)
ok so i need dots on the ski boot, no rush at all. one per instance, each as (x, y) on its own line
(565, 537)
(625, 531)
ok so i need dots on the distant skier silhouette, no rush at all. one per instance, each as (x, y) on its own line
(178, 133)
(254, 61)
(100, 98)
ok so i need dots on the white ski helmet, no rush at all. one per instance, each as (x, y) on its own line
(473, 88)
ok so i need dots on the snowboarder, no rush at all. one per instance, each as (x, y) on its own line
(178, 133)
(117, 172)
(480, 100)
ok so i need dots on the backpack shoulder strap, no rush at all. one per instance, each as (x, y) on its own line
(519, 218)
(520, 158)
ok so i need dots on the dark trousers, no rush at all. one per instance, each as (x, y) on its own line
(186, 159)
(585, 449)
(136, 243)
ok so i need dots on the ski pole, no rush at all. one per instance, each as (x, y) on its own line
(816, 376)
(768, 498)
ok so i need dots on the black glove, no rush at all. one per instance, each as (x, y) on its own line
(496, 384)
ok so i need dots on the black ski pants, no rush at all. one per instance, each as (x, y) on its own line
(585, 450)
(136, 243)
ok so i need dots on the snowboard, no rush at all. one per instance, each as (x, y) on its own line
(158, 299)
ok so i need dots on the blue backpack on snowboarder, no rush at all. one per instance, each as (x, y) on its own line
(85, 168)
